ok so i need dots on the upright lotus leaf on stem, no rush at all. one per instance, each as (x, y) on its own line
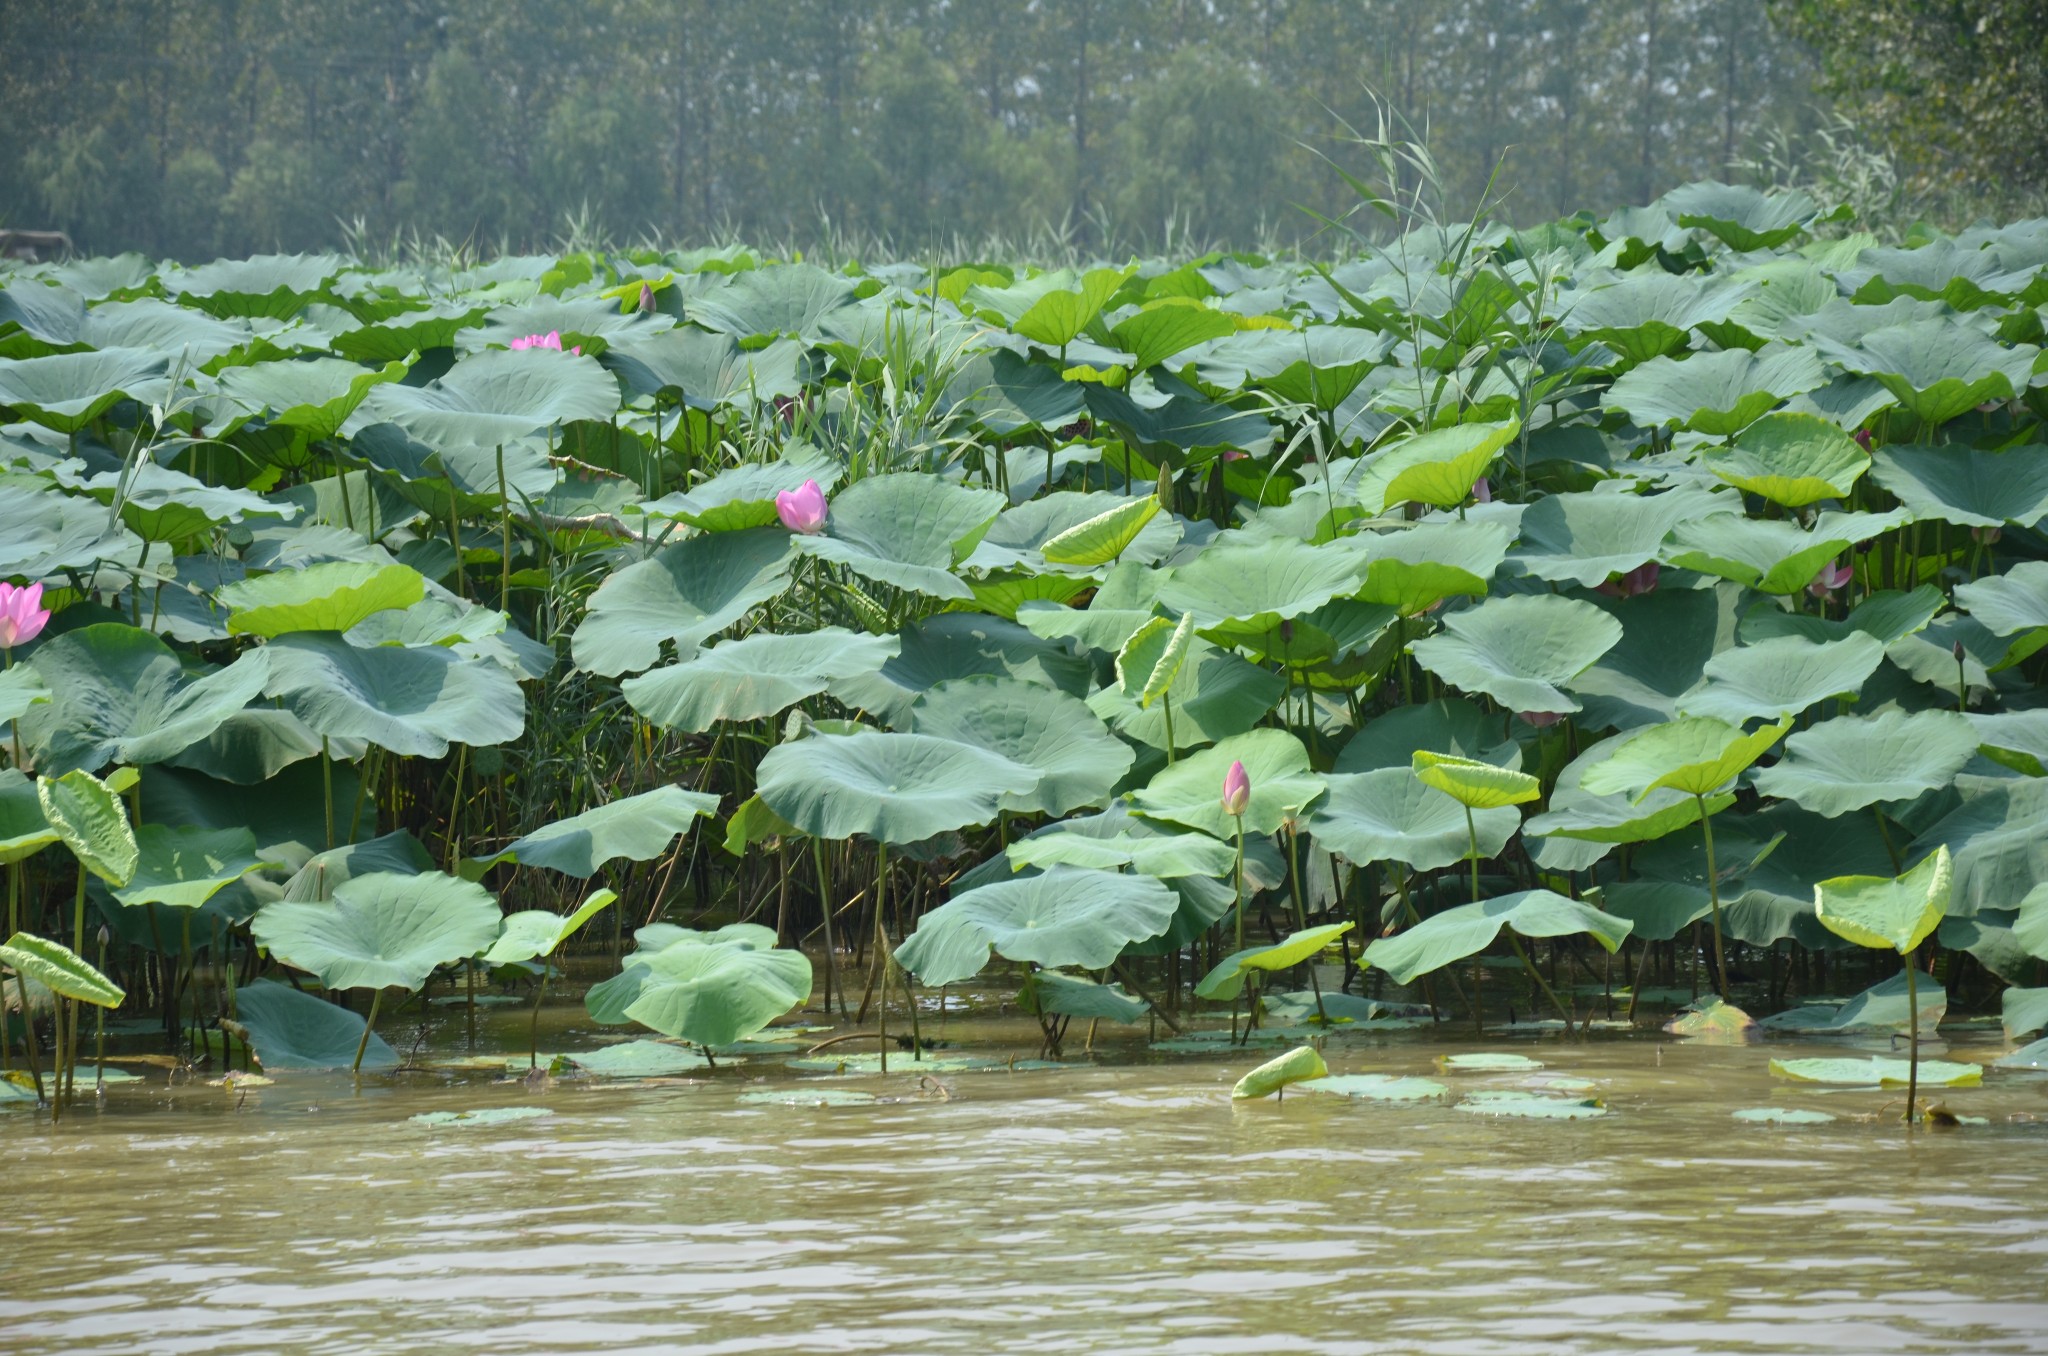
(1475, 785)
(1897, 913)
(91, 821)
(533, 934)
(22, 616)
(802, 509)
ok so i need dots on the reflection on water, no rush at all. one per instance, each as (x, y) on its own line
(1129, 1209)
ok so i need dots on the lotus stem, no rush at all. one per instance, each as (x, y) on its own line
(1301, 916)
(327, 788)
(1912, 1035)
(1541, 983)
(1166, 709)
(881, 947)
(369, 1025)
(831, 951)
(1237, 882)
(1714, 897)
(99, 1030)
(533, 1026)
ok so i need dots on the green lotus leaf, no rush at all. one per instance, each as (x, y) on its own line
(2011, 602)
(90, 820)
(779, 299)
(1190, 792)
(637, 1059)
(1668, 636)
(2023, 1011)
(717, 994)
(1897, 912)
(1127, 598)
(1227, 978)
(498, 398)
(1435, 467)
(1852, 762)
(1005, 393)
(1772, 1115)
(381, 930)
(956, 645)
(398, 852)
(1388, 815)
(160, 504)
(60, 970)
(1468, 929)
(1145, 851)
(1053, 993)
(185, 867)
(1998, 838)
(1152, 658)
(907, 529)
(1782, 676)
(117, 692)
(1791, 459)
(2016, 739)
(895, 788)
(1259, 583)
(1066, 917)
(273, 285)
(289, 1029)
(1940, 369)
(1170, 325)
(414, 701)
(1489, 1062)
(1697, 755)
(1520, 649)
(1877, 1072)
(1772, 556)
(1717, 394)
(497, 1115)
(1742, 217)
(1018, 538)
(1888, 614)
(1650, 313)
(1078, 760)
(67, 391)
(414, 331)
(1967, 485)
(1531, 1105)
(706, 371)
(685, 594)
(1320, 366)
(23, 830)
(330, 597)
(37, 318)
(1415, 568)
(44, 531)
(1052, 308)
(1615, 817)
(313, 397)
(1448, 725)
(1585, 537)
(1888, 1006)
(1929, 655)
(743, 496)
(634, 828)
(1105, 537)
(755, 677)
(1474, 783)
(1299, 1065)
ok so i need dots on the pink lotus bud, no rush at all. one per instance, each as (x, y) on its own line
(22, 615)
(1237, 790)
(1863, 438)
(802, 509)
(552, 339)
(1482, 491)
(1233, 454)
(646, 298)
(1830, 578)
(1642, 579)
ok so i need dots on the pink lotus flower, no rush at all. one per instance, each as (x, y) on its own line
(1482, 491)
(1237, 790)
(22, 615)
(1542, 720)
(1641, 579)
(552, 339)
(802, 509)
(1830, 578)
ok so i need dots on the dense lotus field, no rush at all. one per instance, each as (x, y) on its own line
(1518, 625)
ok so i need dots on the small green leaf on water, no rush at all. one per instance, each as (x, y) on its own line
(1886, 1073)
(1488, 1062)
(1298, 1065)
(1531, 1105)
(491, 1116)
(1775, 1115)
(806, 1097)
(638, 1059)
(1378, 1087)
(1712, 1020)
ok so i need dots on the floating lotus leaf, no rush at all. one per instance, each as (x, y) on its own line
(497, 1115)
(684, 594)
(1226, 978)
(895, 788)
(117, 692)
(1189, 792)
(1078, 760)
(1782, 676)
(634, 828)
(1435, 467)
(1521, 649)
(637, 1059)
(409, 700)
(1967, 485)
(1769, 555)
(60, 970)
(1377, 1087)
(1940, 369)
(1052, 993)
(1531, 1105)
(288, 1029)
(1296, 1066)
(758, 676)
(1717, 394)
(1488, 1062)
(1875, 1072)
(67, 391)
(185, 867)
(1066, 917)
(1463, 931)
(496, 398)
(1791, 459)
(906, 529)
(1850, 762)
(331, 597)
(1387, 815)
(1584, 538)
(1772, 1115)
(1697, 755)
(1474, 783)
(381, 930)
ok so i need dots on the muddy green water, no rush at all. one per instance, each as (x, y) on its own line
(1124, 1207)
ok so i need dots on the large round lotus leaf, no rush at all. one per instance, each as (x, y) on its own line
(715, 995)
(273, 285)
(1520, 650)
(1474, 782)
(705, 370)
(1583, 538)
(1940, 369)
(638, 1059)
(89, 818)
(1887, 614)
(1084, 531)
(1078, 760)
(779, 299)
(1967, 485)
(1470, 928)
(1377, 1087)
(1190, 792)
(1851, 762)
(314, 397)
(1005, 393)
(1531, 1105)
(1052, 993)
(1615, 817)
(1698, 755)
(1773, 1115)
(1066, 917)
(1929, 655)
(1214, 695)
(1716, 393)
(635, 828)
(961, 645)
(185, 867)
(685, 594)
(2011, 602)
(754, 677)
(1437, 467)
(1415, 568)
(587, 322)
(1878, 1072)
(163, 505)
(398, 852)
(1770, 555)
(1791, 459)
(1897, 912)
(1263, 582)
(414, 331)
(1667, 638)
(288, 1029)
(1782, 677)
(895, 788)
(498, 397)
(743, 496)
(381, 930)
(67, 391)
(1998, 837)
(1647, 314)
(414, 701)
(1227, 977)
(907, 529)
(1448, 725)
(1745, 218)
(119, 693)
(329, 597)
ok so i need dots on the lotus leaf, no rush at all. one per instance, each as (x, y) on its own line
(1463, 931)
(1849, 762)
(1189, 792)
(288, 1029)
(330, 597)
(1066, 917)
(1296, 1066)
(1388, 815)
(685, 594)
(1078, 761)
(1520, 650)
(381, 930)
(895, 788)
(637, 828)
(415, 700)
(60, 970)
(1792, 459)
(185, 867)
(906, 529)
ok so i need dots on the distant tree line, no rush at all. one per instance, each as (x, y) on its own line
(188, 128)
